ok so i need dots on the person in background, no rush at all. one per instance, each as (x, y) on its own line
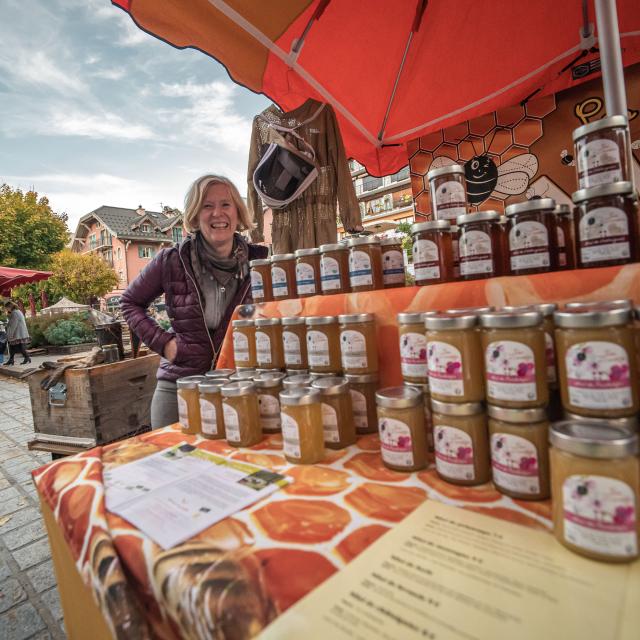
(3, 341)
(203, 279)
(17, 333)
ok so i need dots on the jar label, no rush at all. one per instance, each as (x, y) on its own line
(279, 282)
(454, 453)
(359, 404)
(257, 285)
(426, 260)
(360, 271)
(240, 347)
(413, 355)
(476, 255)
(598, 375)
(269, 412)
(208, 417)
(317, 349)
(514, 461)
(353, 347)
(445, 369)
(550, 357)
(603, 235)
(392, 267)
(599, 163)
(511, 371)
(263, 348)
(395, 442)
(183, 412)
(305, 278)
(330, 423)
(599, 515)
(290, 436)
(329, 273)
(450, 200)
(231, 422)
(529, 245)
(292, 350)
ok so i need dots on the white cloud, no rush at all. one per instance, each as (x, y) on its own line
(109, 74)
(93, 125)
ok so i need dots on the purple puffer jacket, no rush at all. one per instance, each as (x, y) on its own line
(170, 272)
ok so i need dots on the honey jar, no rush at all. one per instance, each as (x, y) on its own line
(365, 263)
(505, 263)
(520, 451)
(334, 268)
(432, 252)
(297, 380)
(261, 290)
(337, 414)
(295, 372)
(393, 274)
(564, 237)
(307, 272)
(294, 342)
(219, 373)
(323, 344)
(240, 413)
(358, 343)
(428, 417)
(479, 245)
(595, 485)
(243, 374)
(302, 432)
(269, 350)
(455, 250)
(362, 388)
(448, 188)
(244, 343)
(211, 416)
(269, 386)
(189, 403)
(283, 276)
(401, 428)
(413, 347)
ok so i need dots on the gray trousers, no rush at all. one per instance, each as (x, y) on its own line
(164, 404)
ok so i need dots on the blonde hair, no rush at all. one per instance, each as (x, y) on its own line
(195, 197)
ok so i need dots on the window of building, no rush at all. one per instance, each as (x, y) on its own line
(119, 253)
(176, 232)
(121, 275)
(369, 183)
(403, 174)
(105, 237)
(92, 241)
(145, 228)
(144, 251)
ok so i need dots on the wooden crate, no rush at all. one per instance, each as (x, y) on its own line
(105, 402)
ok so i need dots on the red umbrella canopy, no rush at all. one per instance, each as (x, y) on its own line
(10, 278)
(462, 58)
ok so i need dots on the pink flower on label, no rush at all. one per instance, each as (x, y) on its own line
(623, 515)
(404, 442)
(453, 367)
(618, 373)
(423, 354)
(464, 454)
(528, 463)
(524, 369)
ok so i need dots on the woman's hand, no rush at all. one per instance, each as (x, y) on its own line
(170, 350)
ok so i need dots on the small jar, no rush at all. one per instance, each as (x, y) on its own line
(242, 374)
(629, 423)
(514, 358)
(358, 343)
(261, 290)
(269, 386)
(337, 414)
(597, 362)
(454, 357)
(461, 442)
(307, 272)
(505, 263)
(606, 225)
(401, 428)
(302, 433)
(413, 347)
(432, 252)
(283, 276)
(448, 188)
(455, 251)
(294, 342)
(269, 351)
(211, 415)
(362, 388)
(428, 417)
(334, 269)
(323, 344)
(564, 237)
(393, 274)
(365, 263)
(298, 380)
(189, 403)
(479, 245)
(240, 414)
(216, 374)
(603, 152)
(532, 236)
(244, 343)
(520, 452)
(595, 484)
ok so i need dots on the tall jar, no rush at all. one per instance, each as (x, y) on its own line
(244, 343)
(294, 342)
(393, 274)
(358, 343)
(455, 250)
(269, 386)
(479, 245)
(307, 272)
(323, 344)
(362, 388)
(241, 414)
(334, 269)
(337, 413)
(564, 236)
(261, 290)
(432, 252)
(302, 432)
(413, 347)
(283, 276)
(365, 263)
(189, 404)
(211, 416)
(595, 484)
(448, 188)
(269, 354)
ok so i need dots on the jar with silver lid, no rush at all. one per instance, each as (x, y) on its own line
(211, 414)
(362, 388)
(297, 380)
(334, 268)
(269, 386)
(269, 350)
(365, 263)
(302, 432)
(594, 305)
(219, 373)
(323, 344)
(337, 412)
(243, 374)
(432, 252)
(358, 343)
(428, 416)
(241, 414)
(283, 275)
(628, 423)
(307, 272)
(261, 290)
(448, 188)
(189, 403)
(479, 245)
(244, 342)
(294, 342)
(413, 346)
(393, 272)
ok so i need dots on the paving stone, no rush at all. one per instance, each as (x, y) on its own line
(32, 554)
(11, 492)
(5, 571)
(17, 519)
(24, 535)
(20, 622)
(12, 504)
(51, 600)
(42, 577)
(11, 592)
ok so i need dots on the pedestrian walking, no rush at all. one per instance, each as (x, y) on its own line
(3, 341)
(17, 333)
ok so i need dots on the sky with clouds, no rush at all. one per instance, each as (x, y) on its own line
(94, 111)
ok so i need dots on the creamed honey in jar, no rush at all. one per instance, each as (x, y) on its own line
(358, 343)
(365, 263)
(189, 403)
(337, 412)
(269, 353)
(294, 342)
(302, 432)
(244, 343)
(323, 344)
(240, 413)
(413, 347)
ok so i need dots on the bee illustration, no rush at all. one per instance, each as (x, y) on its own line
(635, 144)
(567, 159)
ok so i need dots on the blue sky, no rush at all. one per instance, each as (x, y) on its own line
(94, 111)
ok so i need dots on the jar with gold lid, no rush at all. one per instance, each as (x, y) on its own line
(393, 273)
(362, 388)
(365, 263)
(337, 413)
(334, 268)
(432, 252)
(307, 272)
(448, 188)
(479, 245)
(297, 380)
(595, 486)
(520, 451)
(564, 237)
(189, 403)
(358, 343)
(269, 350)
(428, 417)
(211, 415)
(455, 251)
(240, 413)
(243, 374)
(302, 432)
(219, 373)
(261, 290)
(269, 386)
(244, 343)
(323, 344)
(283, 275)
(413, 347)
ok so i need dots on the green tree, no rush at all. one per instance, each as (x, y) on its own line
(31, 230)
(407, 242)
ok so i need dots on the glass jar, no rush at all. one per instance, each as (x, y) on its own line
(358, 343)
(532, 236)
(461, 442)
(432, 252)
(211, 416)
(323, 344)
(505, 264)
(302, 432)
(307, 272)
(455, 251)
(401, 427)
(413, 347)
(334, 269)
(515, 359)
(294, 342)
(269, 350)
(261, 290)
(215, 374)
(520, 452)
(606, 225)
(629, 423)
(392, 263)
(297, 380)
(454, 357)
(283, 276)
(479, 245)
(244, 343)
(365, 263)
(448, 188)
(428, 417)
(362, 388)
(189, 403)
(564, 237)
(597, 362)
(240, 413)
(269, 386)
(595, 484)
(603, 152)
(243, 374)
(337, 414)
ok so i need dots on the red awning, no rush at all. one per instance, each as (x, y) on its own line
(10, 278)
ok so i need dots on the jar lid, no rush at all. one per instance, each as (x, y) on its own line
(331, 385)
(456, 409)
(388, 242)
(301, 253)
(545, 308)
(445, 321)
(622, 303)
(239, 388)
(267, 322)
(593, 439)
(510, 319)
(315, 320)
(242, 323)
(219, 373)
(398, 397)
(290, 320)
(243, 374)
(598, 317)
(268, 379)
(526, 416)
(422, 388)
(297, 380)
(212, 386)
(296, 372)
(259, 262)
(281, 257)
(480, 216)
(562, 210)
(537, 204)
(444, 171)
(432, 225)
(629, 423)
(414, 317)
(599, 125)
(189, 382)
(324, 248)
(316, 374)
(361, 240)
(297, 396)
(603, 190)
(361, 378)
(353, 318)
(476, 310)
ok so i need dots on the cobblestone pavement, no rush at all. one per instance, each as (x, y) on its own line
(29, 602)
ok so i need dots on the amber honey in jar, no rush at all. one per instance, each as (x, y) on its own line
(302, 432)
(307, 272)
(362, 388)
(334, 268)
(515, 362)
(283, 276)
(358, 343)
(240, 413)
(455, 250)
(401, 428)
(393, 274)
(294, 342)
(365, 263)
(564, 237)
(261, 290)
(219, 373)
(448, 188)
(211, 416)
(432, 252)
(520, 451)
(606, 225)
(595, 488)
(479, 245)
(323, 344)
(269, 350)
(337, 413)
(269, 386)
(189, 403)
(244, 343)
(461, 442)
(413, 347)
